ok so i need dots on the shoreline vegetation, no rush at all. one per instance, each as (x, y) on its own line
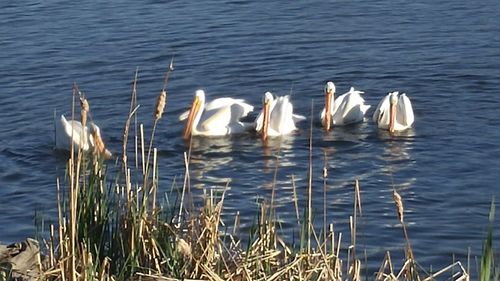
(116, 229)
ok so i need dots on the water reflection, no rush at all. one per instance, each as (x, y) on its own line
(398, 161)
(354, 132)
(208, 157)
(280, 165)
(280, 149)
(384, 134)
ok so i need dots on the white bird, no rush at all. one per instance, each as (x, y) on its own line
(276, 117)
(394, 113)
(72, 132)
(348, 108)
(219, 117)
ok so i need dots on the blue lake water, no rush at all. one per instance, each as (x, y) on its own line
(444, 54)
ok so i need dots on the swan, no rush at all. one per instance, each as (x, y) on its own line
(348, 108)
(219, 117)
(276, 117)
(394, 112)
(71, 132)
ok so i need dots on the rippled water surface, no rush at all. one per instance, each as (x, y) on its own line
(444, 54)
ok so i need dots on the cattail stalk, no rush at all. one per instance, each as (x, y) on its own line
(309, 186)
(400, 209)
(158, 112)
(161, 101)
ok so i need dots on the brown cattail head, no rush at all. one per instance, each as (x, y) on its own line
(183, 248)
(399, 205)
(83, 117)
(84, 104)
(160, 105)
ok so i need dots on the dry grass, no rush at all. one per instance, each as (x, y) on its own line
(114, 230)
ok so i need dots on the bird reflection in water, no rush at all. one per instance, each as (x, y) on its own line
(280, 149)
(280, 168)
(398, 162)
(209, 156)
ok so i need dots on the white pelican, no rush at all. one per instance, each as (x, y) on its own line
(72, 132)
(394, 113)
(219, 117)
(276, 117)
(347, 109)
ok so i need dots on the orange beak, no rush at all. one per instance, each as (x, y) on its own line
(392, 118)
(328, 118)
(265, 123)
(189, 123)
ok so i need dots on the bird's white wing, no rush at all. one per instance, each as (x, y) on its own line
(258, 121)
(278, 110)
(221, 102)
(406, 110)
(297, 117)
(241, 109)
(338, 101)
(224, 112)
(382, 111)
(350, 110)
(212, 105)
(216, 119)
(322, 115)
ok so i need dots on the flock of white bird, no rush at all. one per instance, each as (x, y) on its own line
(223, 116)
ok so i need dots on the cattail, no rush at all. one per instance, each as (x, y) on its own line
(84, 104)
(183, 248)
(399, 205)
(160, 104)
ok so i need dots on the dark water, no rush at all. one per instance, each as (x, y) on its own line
(444, 54)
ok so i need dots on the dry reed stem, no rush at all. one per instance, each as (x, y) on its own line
(320, 248)
(154, 188)
(295, 199)
(186, 181)
(386, 264)
(73, 196)
(309, 187)
(325, 175)
(236, 226)
(125, 137)
(167, 74)
(60, 217)
(462, 273)
(332, 235)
